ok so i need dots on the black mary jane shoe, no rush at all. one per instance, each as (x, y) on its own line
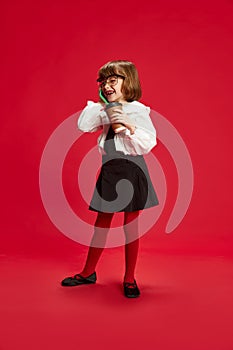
(131, 289)
(77, 279)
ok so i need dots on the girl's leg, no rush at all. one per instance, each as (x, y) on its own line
(131, 249)
(101, 229)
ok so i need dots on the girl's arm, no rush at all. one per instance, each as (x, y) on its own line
(143, 138)
(91, 117)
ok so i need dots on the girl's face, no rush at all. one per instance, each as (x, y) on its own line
(111, 88)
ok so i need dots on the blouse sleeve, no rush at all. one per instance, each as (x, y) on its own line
(144, 137)
(91, 118)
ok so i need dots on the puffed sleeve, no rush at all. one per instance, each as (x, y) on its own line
(144, 137)
(91, 118)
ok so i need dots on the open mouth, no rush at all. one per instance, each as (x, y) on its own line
(108, 93)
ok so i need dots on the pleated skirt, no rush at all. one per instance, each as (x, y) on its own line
(123, 185)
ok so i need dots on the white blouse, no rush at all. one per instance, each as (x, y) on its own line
(93, 117)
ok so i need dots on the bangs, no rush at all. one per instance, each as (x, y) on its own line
(109, 69)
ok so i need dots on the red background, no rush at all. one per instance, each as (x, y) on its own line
(51, 53)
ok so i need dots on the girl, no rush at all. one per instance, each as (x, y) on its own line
(122, 159)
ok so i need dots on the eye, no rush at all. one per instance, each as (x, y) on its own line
(113, 81)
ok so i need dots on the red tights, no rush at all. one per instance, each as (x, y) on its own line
(101, 229)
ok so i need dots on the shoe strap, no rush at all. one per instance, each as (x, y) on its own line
(77, 274)
(130, 285)
(83, 278)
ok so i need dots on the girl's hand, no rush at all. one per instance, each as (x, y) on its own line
(121, 117)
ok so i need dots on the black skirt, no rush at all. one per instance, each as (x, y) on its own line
(124, 183)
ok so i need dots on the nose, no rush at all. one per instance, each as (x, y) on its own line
(106, 85)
